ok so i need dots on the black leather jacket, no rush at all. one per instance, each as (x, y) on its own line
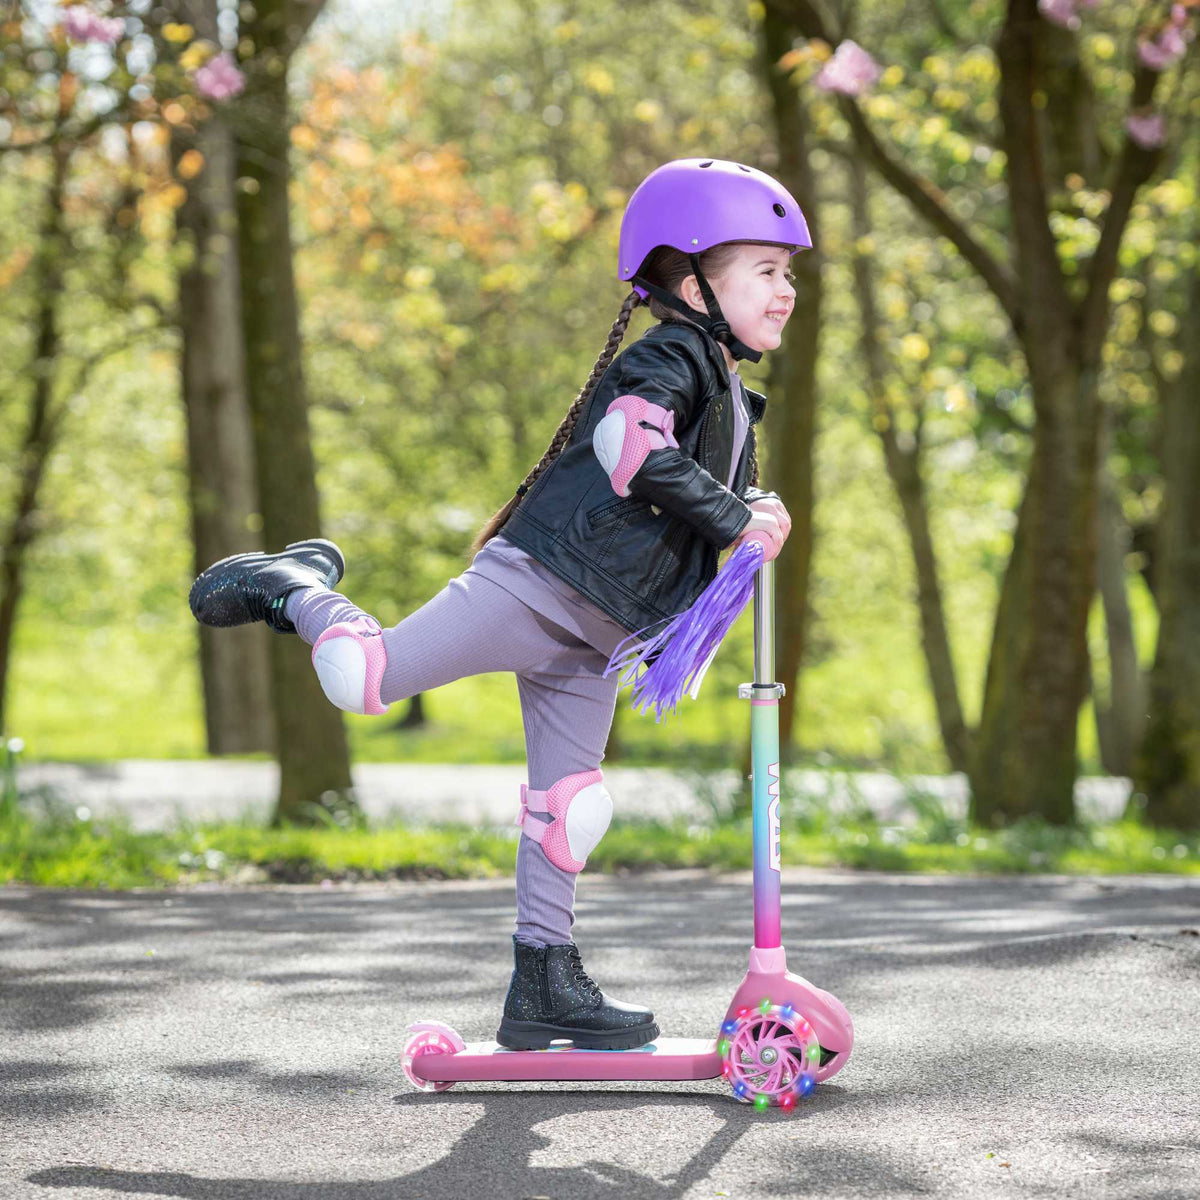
(647, 556)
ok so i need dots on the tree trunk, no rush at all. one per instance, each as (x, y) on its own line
(1121, 715)
(42, 429)
(1168, 767)
(904, 470)
(313, 755)
(613, 749)
(791, 428)
(414, 716)
(1024, 762)
(234, 664)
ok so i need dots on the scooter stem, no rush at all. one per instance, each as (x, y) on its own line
(764, 695)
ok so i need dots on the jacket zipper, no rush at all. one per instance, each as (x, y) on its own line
(543, 980)
(706, 438)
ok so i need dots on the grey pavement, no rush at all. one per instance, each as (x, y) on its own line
(1016, 1037)
(153, 793)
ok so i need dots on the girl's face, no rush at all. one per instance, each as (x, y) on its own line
(755, 293)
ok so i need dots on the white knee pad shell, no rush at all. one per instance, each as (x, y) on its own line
(581, 808)
(349, 659)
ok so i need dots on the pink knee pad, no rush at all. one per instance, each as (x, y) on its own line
(349, 659)
(581, 808)
(630, 429)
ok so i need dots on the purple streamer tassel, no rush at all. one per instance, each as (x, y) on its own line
(671, 663)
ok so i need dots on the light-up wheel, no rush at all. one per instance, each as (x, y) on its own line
(770, 1055)
(429, 1037)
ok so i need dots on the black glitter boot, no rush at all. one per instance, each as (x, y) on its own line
(254, 587)
(551, 997)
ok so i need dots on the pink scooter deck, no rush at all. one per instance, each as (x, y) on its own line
(666, 1058)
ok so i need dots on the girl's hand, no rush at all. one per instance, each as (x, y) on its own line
(763, 527)
(774, 505)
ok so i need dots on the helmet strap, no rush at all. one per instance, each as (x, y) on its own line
(714, 324)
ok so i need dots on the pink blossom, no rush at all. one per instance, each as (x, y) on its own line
(1155, 56)
(850, 71)
(1172, 41)
(219, 79)
(1149, 131)
(83, 25)
(1059, 12)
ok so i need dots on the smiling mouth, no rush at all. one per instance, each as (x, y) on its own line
(778, 318)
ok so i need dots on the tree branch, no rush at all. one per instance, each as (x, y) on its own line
(1134, 166)
(921, 193)
(1042, 286)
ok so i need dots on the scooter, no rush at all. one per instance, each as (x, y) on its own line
(780, 1035)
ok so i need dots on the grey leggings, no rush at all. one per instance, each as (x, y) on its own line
(474, 626)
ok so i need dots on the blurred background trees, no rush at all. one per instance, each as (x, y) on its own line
(984, 418)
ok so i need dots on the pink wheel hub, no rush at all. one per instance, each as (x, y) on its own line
(429, 1037)
(770, 1055)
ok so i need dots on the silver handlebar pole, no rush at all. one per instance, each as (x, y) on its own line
(764, 685)
(764, 624)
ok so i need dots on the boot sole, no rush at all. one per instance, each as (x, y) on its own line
(533, 1035)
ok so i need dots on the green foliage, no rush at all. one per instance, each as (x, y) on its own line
(457, 199)
(48, 843)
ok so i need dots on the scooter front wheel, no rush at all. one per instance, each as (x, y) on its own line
(770, 1055)
(429, 1037)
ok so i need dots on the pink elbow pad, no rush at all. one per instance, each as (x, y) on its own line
(630, 429)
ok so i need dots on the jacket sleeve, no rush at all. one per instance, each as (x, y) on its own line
(665, 375)
(750, 494)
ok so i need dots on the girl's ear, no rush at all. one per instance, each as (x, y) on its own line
(689, 293)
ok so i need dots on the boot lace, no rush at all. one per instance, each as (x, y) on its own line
(579, 974)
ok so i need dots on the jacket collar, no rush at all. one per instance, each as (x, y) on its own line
(681, 331)
(758, 404)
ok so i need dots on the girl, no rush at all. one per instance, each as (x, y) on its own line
(651, 474)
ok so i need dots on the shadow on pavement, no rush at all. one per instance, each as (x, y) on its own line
(496, 1151)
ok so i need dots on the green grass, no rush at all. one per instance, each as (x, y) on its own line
(46, 842)
(151, 709)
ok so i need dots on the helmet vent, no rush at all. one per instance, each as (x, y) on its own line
(707, 164)
(779, 210)
(741, 168)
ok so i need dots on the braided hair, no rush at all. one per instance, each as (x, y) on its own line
(561, 436)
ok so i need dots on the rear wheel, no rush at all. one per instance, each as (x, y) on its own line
(429, 1037)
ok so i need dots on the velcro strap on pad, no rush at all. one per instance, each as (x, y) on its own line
(581, 809)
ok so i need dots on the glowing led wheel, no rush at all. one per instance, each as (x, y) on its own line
(770, 1055)
(429, 1037)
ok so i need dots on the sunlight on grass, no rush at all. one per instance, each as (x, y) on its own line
(48, 842)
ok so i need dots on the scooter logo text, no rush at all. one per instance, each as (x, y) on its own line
(773, 815)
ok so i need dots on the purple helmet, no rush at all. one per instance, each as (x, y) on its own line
(694, 204)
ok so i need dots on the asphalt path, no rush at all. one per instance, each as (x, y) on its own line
(1015, 1037)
